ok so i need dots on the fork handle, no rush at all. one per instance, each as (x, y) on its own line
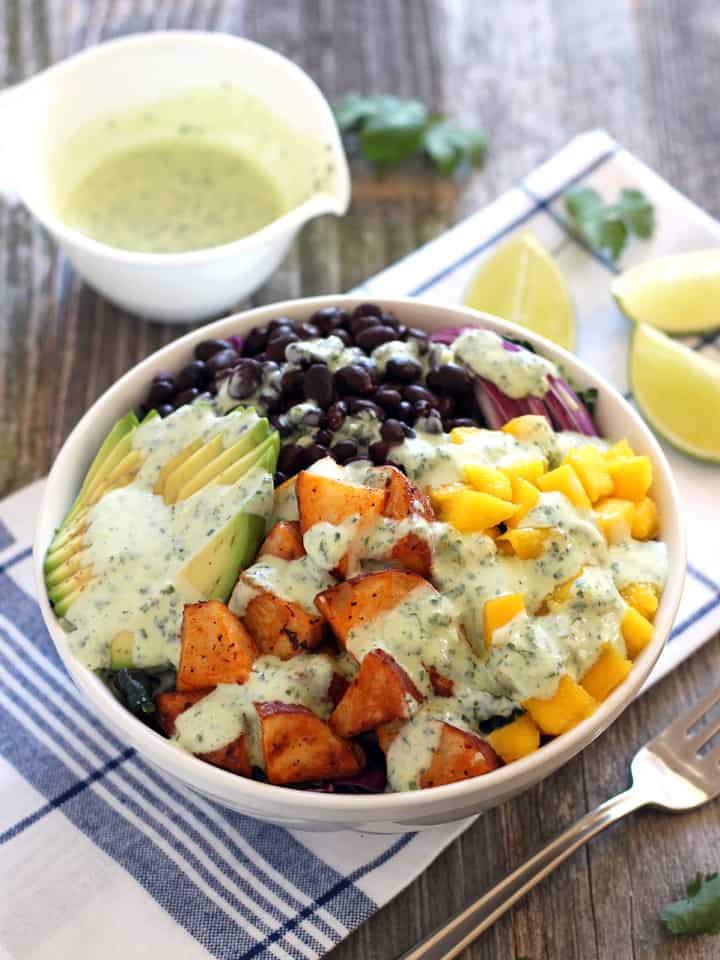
(447, 941)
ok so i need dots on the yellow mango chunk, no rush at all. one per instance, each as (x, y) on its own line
(461, 434)
(591, 467)
(608, 671)
(645, 524)
(615, 518)
(529, 470)
(440, 495)
(525, 427)
(570, 704)
(561, 593)
(637, 631)
(527, 542)
(565, 480)
(642, 597)
(524, 496)
(620, 449)
(516, 739)
(501, 610)
(488, 480)
(471, 511)
(631, 477)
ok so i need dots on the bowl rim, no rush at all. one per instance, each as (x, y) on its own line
(314, 806)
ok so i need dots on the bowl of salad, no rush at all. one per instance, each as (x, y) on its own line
(369, 565)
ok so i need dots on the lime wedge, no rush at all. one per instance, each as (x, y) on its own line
(678, 293)
(678, 391)
(521, 282)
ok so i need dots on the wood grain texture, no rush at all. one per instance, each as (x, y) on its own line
(531, 73)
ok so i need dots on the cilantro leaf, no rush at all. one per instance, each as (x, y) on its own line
(637, 212)
(607, 227)
(390, 131)
(582, 203)
(699, 912)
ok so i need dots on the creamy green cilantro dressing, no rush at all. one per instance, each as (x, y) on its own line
(297, 581)
(639, 561)
(518, 373)
(218, 719)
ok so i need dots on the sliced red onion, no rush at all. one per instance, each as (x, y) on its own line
(237, 342)
(496, 407)
(511, 347)
(448, 335)
(567, 409)
(538, 408)
(371, 780)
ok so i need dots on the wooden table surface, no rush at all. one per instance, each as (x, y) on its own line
(532, 73)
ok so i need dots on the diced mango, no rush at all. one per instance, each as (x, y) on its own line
(527, 542)
(645, 520)
(631, 477)
(643, 597)
(499, 611)
(561, 593)
(637, 631)
(615, 518)
(503, 546)
(620, 449)
(461, 434)
(592, 469)
(440, 495)
(488, 480)
(471, 511)
(525, 427)
(516, 739)
(565, 480)
(609, 670)
(524, 496)
(529, 470)
(570, 704)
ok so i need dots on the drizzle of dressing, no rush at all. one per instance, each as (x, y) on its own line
(297, 581)
(518, 373)
(639, 561)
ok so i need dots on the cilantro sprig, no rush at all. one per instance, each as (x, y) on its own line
(699, 912)
(608, 226)
(389, 131)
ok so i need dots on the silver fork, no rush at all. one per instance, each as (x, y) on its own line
(669, 772)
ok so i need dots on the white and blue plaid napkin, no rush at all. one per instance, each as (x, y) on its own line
(100, 853)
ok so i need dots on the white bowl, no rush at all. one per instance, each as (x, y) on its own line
(43, 115)
(386, 813)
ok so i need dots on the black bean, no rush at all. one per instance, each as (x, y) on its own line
(420, 338)
(342, 334)
(316, 451)
(165, 409)
(392, 432)
(422, 408)
(354, 378)
(323, 437)
(449, 378)
(318, 385)
(415, 392)
(446, 405)
(460, 422)
(358, 405)
(279, 478)
(367, 340)
(389, 320)
(401, 332)
(408, 431)
(163, 375)
(367, 310)
(343, 450)
(291, 458)
(244, 378)
(222, 360)
(208, 348)
(280, 323)
(255, 341)
(160, 392)
(281, 425)
(379, 451)
(388, 397)
(358, 324)
(336, 413)
(194, 374)
(405, 412)
(292, 383)
(187, 396)
(308, 332)
(326, 319)
(276, 346)
(403, 369)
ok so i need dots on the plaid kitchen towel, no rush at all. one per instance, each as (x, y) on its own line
(99, 852)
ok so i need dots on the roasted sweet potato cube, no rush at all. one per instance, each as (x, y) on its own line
(299, 746)
(442, 686)
(459, 755)
(364, 598)
(232, 757)
(382, 691)
(404, 500)
(169, 706)
(324, 498)
(215, 647)
(284, 541)
(281, 627)
(387, 732)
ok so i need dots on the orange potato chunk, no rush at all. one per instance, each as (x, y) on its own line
(381, 692)
(282, 628)
(233, 756)
(284, 541)
(215, 647)
(459, 755)
(404, 500)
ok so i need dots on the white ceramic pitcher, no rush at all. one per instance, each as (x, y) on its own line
(39, 117)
